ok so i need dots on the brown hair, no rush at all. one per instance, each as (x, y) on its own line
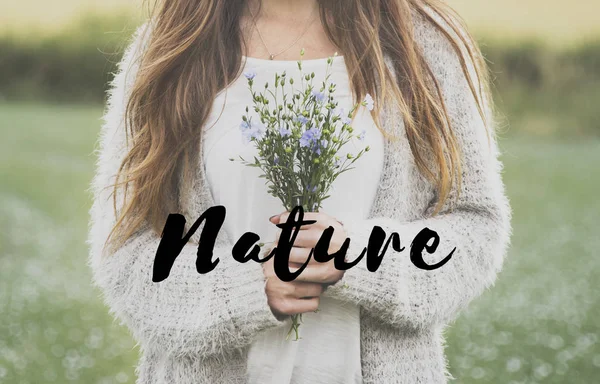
(195, 50)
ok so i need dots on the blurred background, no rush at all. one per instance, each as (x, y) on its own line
(538, 325)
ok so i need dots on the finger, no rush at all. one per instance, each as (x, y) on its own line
(307, 239)
(316, 273)
(317, 216)
(304, 305)
(300, 255)
(275, 218)
(303, 237)
(303, 289)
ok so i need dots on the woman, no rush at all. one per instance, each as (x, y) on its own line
(173, 108)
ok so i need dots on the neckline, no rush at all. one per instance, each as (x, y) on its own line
(308, 61)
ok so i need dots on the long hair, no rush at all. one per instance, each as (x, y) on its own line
(195, 50)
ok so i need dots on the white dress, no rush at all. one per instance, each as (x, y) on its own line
(329, 349)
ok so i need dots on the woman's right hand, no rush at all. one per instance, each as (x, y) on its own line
(290, 298)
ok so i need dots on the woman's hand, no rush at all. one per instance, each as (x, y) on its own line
(306, 240)
(290, 298)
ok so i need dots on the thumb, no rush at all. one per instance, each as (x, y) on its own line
(275, 219)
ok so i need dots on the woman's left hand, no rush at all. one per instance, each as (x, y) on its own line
(307, 239)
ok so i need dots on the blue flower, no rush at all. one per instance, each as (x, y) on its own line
(310, 137)
(368, 102)
(303, 120)
(276, 160)
(341, 113)
(244, 125)
(361, 137)
(319, 96)
(311, 189)
(250, 74)
(317, 146)
(283, 132)
(252, 131)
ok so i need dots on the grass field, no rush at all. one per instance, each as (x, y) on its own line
(557, 22)
(538, 325)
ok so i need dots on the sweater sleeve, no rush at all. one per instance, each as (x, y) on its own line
(187, 313)
(477, 225)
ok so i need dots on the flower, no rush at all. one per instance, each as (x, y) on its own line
(368, 102)
(276, 160)
(311, 189)
(317, 147)
(252, 130)
(310, 137)
(341, 113)
(303, 120)
(244, 125)
(250, 74)
(284, 132)
(319, 96)
(362, 134)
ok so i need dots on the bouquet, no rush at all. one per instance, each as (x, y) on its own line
(298, 136)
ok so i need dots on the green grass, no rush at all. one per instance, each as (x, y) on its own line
(538, 325)
(558, 22)
(47, 17)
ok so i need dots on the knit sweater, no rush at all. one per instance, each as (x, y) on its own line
(195, 328)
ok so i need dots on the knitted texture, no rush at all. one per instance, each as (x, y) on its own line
(195, 328)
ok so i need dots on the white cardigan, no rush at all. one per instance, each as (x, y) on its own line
(197, 329)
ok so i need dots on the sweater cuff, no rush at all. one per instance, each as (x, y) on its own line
(246, 300)
(375, 291)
